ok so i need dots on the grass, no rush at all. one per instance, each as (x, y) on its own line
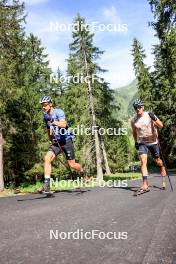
(123, 176)
(29, 188)
(25, 188)
(69, 184)
(56, 185)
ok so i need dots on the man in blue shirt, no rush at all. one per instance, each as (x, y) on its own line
(60, 140)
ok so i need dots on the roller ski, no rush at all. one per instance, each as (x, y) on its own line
(45, 189)
(47, 194)
(141, 191)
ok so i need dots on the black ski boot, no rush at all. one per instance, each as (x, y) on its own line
(46, 186)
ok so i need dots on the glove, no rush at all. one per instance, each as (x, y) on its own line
(153, 116)
(48, 118)
(137, 145)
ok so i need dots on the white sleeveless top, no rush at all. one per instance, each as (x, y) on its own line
(146, 131)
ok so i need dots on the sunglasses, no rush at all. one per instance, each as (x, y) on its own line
(138, 107)
(45, 104)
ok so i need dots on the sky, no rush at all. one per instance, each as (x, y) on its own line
(50, 20)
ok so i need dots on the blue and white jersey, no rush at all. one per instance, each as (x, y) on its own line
(59, 134)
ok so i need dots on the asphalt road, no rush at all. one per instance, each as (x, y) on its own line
(149, 221)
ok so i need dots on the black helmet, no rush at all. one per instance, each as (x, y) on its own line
(45, 99)
(137, 103)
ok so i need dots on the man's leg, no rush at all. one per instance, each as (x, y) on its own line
(143, 151)
(155, 152)
(74, 165)
(49, 157)
(70, 156)
(159, 163)
(144, 171)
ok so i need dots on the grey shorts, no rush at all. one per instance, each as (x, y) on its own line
(154, 150)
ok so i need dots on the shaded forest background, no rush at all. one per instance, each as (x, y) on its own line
(25, 77)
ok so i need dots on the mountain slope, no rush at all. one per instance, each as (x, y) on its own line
(124, 97)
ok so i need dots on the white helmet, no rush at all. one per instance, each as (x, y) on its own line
(138, 102)
(45, 99)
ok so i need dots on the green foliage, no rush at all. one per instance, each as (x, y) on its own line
(25, 77)
(23, 64)
(77, 103)
(144, 82)
(164, 75)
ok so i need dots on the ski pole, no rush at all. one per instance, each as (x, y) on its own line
(164, 162)
(163, 178)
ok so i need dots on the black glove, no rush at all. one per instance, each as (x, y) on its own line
(48, 118)
(153, 116)
(137, 145)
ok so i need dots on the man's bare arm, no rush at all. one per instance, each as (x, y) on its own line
(158, 123)
(134, 131)
(156, 120)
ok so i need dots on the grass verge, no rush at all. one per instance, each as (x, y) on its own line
(62, 185)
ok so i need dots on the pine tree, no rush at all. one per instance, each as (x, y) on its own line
(89, 94)
(164, 75)
(83, 99)
(142, 74)
(84, 53)
(25, 110)
(11, 40)
(24, 70)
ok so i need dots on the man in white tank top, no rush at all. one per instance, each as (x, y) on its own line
(144, 127)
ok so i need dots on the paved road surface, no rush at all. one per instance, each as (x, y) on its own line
(149, 220)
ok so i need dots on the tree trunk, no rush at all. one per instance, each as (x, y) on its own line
(1, 161)
(96, 137)
(105, 158)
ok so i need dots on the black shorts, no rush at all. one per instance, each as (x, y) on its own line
(65, 146)
(154, 150)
